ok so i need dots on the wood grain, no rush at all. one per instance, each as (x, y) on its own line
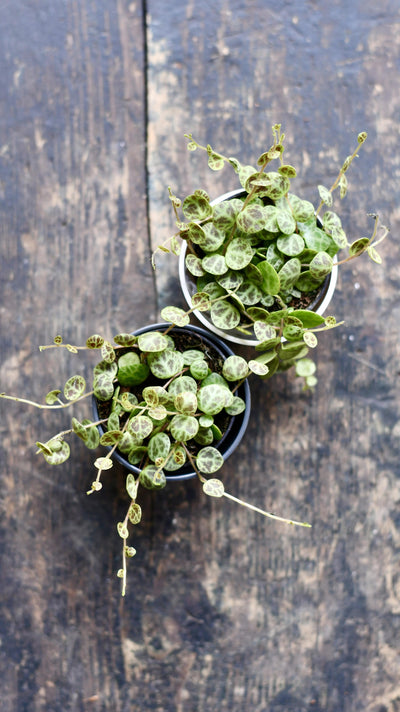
(224, 611)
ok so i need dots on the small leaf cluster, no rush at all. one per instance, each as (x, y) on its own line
(267, 248)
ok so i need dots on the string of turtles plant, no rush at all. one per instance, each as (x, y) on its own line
(161, 406)
(258, 256)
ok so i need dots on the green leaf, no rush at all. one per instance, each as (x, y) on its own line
(52, 397)
(182, 384)
(103, 387)
(107, 352)
(263, 331)
(122, 530)
(306, 282)
(112, 437)
(95, 341)
(305, 367)
(56, 456)
(93, 435)
(359, 246)
(103, 463)
(209, 460)
(176, 459)
(289, 273)
(339, 237)
(374, 255)
(74, 388)
(310, 339)
(271, 282)
(199, 369)
(272, 185)
(251, 219)
(141, 426)
(302, 210)
(249, 293)
(258, 368)
(286, 222)
(201, 301)
(287, 170)
(213, 487)
(186, 403)
(131, 371)
(308, 318)
(193, 265)
(79, 429)
(175, 315)
(151, 477)
(224, 213)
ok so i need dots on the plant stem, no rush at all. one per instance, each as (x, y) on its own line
(266, 514)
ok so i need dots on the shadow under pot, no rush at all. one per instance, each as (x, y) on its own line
(317, 299)
(182, 406)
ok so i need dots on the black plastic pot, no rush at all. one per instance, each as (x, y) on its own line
(237, 425)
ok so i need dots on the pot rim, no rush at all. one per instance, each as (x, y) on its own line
(188, 288)
(238, 423)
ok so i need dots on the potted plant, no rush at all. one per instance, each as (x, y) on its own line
(169, 402)
(262, 250)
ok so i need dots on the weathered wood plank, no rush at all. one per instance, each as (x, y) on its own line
(292, 620)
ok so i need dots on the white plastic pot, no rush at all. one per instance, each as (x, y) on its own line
(188, 286)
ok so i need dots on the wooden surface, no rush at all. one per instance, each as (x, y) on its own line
(224, 611)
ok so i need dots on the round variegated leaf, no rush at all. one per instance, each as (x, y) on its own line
(213, 290)
(126, 443)
(291, 332)
(321, 265)
(191, 355)
(135, 513)
(224, 315)
(131, 371)
(260, 369)
(249, 293)
(136, 454)
(113, 421)
(196, 234)
(213, 398)
(181, 384)
(257, 313)
(197, 206)
(166, 364)
(57, 456)
(205, 436)
(305, 367)
(374, 255)
(251, 219)
(289, 273)
(122, 530)
(52, 397)
(108, 370)
(215, 378)
(183, 427)
(206, 421)
(193, 265)
(271, 283)
(307, 283)
(302, 210)
(175, 315)
(237, 406)
(293, 349)
(290, 245)
(263, 331)
(125, 339)
(141, 426)
(151, 396)
(95, 341)
(107, 352)
(235, 368)
(213, 238)
(209, 460)
(112, 437)
(159, 447)
(239, 253)
(359, 246)
(274, 257)
(214, 264)
(176, 459)
(158, 413)
(253, 275)
(331, 220)
(152, 342)
(186, 402)
(201, 301)
(128, 401)
(310, 339)
(79, 429)
(339, 237)
(224, 213)
(103, 463)
(93, 436)
(286, 222)
(214, 488)
(273, 185)
(199, 369)
(325, 195)
(131, 486)
(74, 388)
